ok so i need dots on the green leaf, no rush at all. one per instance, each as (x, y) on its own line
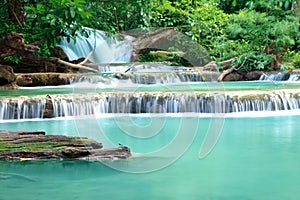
(72, 12)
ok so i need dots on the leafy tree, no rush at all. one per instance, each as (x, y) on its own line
(270, 6)
(226, 28)
(47, 19)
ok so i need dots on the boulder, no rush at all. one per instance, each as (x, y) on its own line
(212, 66)
(44, 79)
(253, 75)
(7, 76)
(234, 76)
(165, 39)
(49, 110)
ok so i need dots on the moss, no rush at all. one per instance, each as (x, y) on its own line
(41, 79)
(28, 146)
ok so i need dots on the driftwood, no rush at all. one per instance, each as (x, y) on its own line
(14, 44)
(74, 66)
(225, 73)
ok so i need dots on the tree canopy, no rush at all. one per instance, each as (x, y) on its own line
(226, 28)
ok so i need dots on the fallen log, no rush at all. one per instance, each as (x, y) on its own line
(225, 73)
(73, 66)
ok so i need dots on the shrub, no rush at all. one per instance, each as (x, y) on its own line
(297, 64)
(252, 61)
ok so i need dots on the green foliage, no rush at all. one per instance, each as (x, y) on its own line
(294, 58)
(56, 17)
(171, 14)
(203, 21)
(297, 64)
(48, 20)
(258, 30)
(208, 24)
(225, 28)
(284, 67)
(274, 7)
(12, 59)
(118, 16)
(252, 61)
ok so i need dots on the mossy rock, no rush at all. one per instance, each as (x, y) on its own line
(20, 145)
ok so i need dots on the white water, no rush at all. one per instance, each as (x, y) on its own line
(105, 49)
(21, 108)
(157, 102)
(151, 102)
(280, 76)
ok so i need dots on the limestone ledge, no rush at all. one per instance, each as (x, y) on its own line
(36, 145)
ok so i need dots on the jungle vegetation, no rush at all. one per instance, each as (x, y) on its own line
(253, 32)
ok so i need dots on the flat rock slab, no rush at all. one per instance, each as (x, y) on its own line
(32, 145)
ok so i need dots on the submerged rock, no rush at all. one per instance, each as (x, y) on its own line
(32, 145)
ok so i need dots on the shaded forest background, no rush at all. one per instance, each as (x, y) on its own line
(258, 34)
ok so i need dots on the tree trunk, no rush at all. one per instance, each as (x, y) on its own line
(15, 12)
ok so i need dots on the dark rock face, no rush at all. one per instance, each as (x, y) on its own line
(162, 39)
(7, 75)
(49, 110)
(234, 76)
(14, 44)
(18, 145)
(253, 76)
(243, 76)
(44, 79)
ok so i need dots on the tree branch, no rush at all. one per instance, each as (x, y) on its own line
(225, 73)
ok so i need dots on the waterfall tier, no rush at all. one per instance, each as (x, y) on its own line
(22, 108)
(280, 76)
(105, 49)
(149, 102)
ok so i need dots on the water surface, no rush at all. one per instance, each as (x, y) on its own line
(255, 158)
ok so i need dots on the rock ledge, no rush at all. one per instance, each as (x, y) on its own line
(35, 145)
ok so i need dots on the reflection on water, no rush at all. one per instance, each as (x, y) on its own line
(255, 158)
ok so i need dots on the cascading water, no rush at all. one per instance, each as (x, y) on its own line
(157, 102)
(280, 76)
(105, 49)
(150, 102)
(22, 108)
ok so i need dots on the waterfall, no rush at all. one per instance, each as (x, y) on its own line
(150, 102)
(150, 73)
(280, 76)
(160, 78)
(105, 49)
(22, 108)
(159, 102)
